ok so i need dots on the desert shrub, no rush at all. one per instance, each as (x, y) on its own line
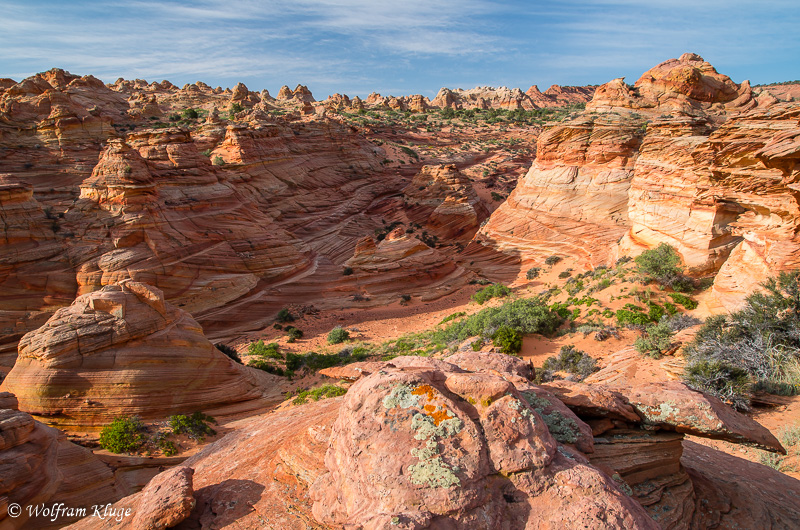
(655, 311)
(533, 273)
(266, 366)
(670, 308)
(682, 299)
(570, 360)
(760, 342)
(164, 444)
(477, 344)
(338, 335)
(729, 383)
(189, 114)
(321, 392)
(405, 298)
(552, 260)
(123, 435)
(284, 316)
(196, 426)
(574, 287)
(453, 316)
(230, 352)
(564, 274)
(508, 339)
(264, 350)
(218, 161)
(293, 333)
(207, 152)
(496, 196)
(234, 109)
(627, 317)
(347, 271)
(561, 309)
(656, 339)
(409, 151)
(677, 322)
(530, 315)
(662, 265)
(497, 290)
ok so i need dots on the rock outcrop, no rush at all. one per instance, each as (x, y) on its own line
(121, 351)
(41, 468)
(445, 203)
(470, 442)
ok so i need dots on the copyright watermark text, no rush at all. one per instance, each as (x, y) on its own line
(54, 512)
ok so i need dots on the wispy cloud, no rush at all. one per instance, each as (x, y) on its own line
(413, 46)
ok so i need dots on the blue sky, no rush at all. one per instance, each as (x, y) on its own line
(403, 47)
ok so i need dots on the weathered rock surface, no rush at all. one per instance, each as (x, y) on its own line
(40, 467)
(421, 443)
(124, 350)
(166, 501)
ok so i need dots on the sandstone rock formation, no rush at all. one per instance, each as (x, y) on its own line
(424, 443)
(41, 468)
(444, 202)
(686, 157)
(121, 351)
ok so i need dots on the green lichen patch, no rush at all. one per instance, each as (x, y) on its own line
(426, 428)
(401, 396)
(563, 429)
(431, 470)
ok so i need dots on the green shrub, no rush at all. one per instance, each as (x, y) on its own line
(683, 300)
(195, 426)
(454, 316)
(759, 343)
(266, 366)
(322, 392)
(660, 264)
(123, 435)
(284, 316)
(628, 317)
(729, 383)
(409, 151)
(655, 311)
(189, 114)
(264, 350)
(508, 339)
(347, 271)
(656, 340)
(552, 260)
(477, 344)
(293, 333)
(207, 152)
(164, 444)
(230, 352)
(530, 315)
(564, 274)
(234, 109)
(570, 360)
(533, 273)
(496, 290)
(561, 309)
(338, 335)
(218, 161)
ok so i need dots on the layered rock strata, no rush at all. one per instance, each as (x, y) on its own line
(40, 468)
(121, 351)
(685, 156)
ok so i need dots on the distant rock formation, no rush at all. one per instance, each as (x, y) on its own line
(121, 351)
(686, 157)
